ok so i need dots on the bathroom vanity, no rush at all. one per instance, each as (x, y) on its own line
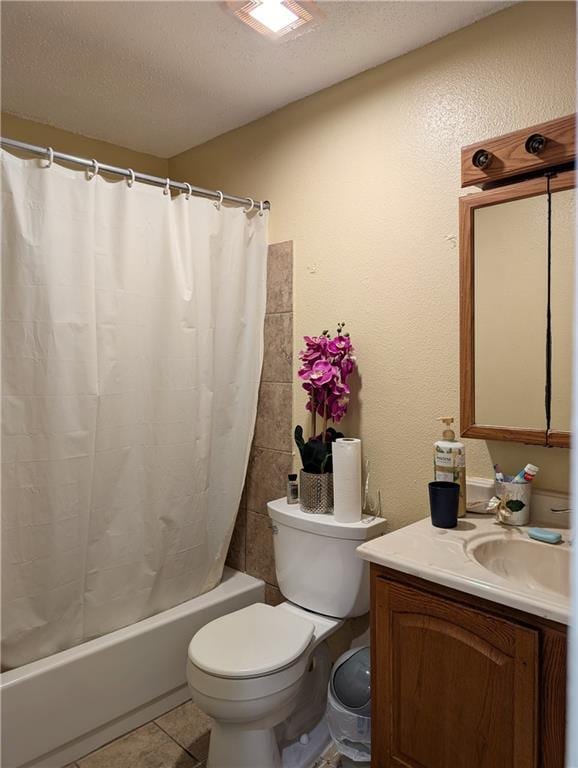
(468, 647)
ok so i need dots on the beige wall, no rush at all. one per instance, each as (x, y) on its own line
(74, 144)
(364, 178)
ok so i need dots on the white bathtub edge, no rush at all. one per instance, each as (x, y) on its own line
(55, 710)
(87, 743)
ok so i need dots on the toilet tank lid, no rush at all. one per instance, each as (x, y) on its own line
(253, 641)
(325, 525)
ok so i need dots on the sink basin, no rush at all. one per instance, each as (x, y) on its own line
(529, 564)
(494, 562)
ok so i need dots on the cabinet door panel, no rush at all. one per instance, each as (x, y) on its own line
(454, 688)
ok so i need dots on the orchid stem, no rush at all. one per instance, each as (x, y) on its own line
(313, 416)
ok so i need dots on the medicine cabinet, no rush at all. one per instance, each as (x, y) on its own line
(517, 263)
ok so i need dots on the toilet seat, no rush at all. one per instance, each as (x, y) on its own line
(250, 643)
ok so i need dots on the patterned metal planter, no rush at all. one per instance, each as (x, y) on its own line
(316, 493)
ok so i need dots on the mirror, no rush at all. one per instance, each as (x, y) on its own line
(563, 267)
(503, 311)
(510, 243)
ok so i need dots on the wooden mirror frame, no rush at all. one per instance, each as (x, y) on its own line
(467, 207)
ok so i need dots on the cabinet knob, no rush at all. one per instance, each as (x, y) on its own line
(482, 158)
(536, 143)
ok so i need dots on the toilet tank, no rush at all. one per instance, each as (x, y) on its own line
(315, 559)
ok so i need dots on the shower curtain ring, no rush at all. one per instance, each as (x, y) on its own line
(248, 210)
(261, 209)
(218, 205)
(50, 153)
(92, 172)
(130, 181)
(189, 190)
(167, 189)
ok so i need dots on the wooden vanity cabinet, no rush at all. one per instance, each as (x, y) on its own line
(460, 682)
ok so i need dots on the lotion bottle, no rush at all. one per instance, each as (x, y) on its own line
(450, 461)
(292, 489)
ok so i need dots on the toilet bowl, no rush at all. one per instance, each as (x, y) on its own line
(246, 669)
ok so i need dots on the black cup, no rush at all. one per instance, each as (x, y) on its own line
(444, 499)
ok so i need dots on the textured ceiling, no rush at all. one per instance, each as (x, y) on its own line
(161, 77)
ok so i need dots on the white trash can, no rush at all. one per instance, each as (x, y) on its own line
(349, 707)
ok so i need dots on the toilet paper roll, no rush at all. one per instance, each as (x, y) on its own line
(347, 479)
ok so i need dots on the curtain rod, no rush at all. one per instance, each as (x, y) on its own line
(135, 175)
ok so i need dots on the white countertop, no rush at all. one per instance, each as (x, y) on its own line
(444, 556)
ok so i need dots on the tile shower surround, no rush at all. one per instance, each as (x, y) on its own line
(270, 460)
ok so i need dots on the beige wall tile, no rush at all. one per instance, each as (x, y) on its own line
(278, 357)
(147, 746)
(236, 553)
(347, 635)
(260, 560)
(271, 460)
(266, 477)
(280, 277)
(273, 595)
(274, 417)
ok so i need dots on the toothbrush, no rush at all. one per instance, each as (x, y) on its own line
(527, 474)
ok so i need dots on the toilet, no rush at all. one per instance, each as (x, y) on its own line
(246, 669)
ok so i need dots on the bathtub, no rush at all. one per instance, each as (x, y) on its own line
(57, 709)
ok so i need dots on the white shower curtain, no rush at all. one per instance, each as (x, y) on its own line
(132, 351)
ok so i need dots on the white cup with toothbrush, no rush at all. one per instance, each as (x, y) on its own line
(513, 496)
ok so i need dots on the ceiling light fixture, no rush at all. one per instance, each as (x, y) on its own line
(273, 15)
(274, 18)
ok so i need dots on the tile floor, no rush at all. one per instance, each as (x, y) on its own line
(177, 739)
(329, 759)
